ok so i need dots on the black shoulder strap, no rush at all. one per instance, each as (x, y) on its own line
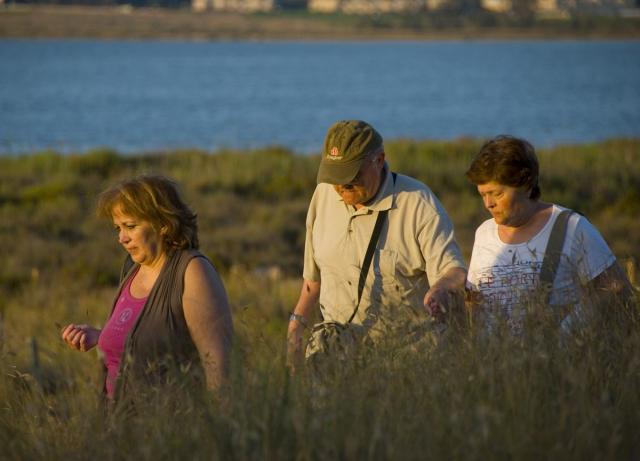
(375, 235)
(553, 252)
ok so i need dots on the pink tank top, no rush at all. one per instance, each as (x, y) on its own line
(115, 332)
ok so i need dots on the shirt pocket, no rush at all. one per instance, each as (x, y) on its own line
(339, 294)
(384, 266)
(393, 294)
(384, 281)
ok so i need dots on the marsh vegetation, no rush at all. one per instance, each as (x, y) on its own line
(542, 395)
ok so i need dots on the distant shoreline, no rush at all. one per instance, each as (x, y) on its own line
(82, 22)
(395, 143)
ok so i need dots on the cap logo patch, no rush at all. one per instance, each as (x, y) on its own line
(334, 154)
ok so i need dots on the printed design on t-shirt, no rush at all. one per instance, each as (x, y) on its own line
(125, 315)
(509, 285)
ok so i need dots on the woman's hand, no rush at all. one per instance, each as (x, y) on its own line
(80, 337)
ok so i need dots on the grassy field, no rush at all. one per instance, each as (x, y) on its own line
(542, 395)
(39, 21)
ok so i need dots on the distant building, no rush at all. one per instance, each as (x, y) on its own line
(238, 6)
(546, 5)
(547, 8)
(380, 6)
(542, 8)
(199, 5)
(550, 9)
(434, 5)
(324, 6)
(497, 6)
(365, 6)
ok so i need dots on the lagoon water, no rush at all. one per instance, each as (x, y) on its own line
(74, 95)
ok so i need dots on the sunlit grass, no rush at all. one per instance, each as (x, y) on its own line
(542, 395)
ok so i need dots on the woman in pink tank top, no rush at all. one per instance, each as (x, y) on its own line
(171, 303)
(115, 332)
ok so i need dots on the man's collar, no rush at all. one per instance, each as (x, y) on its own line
(383, 200)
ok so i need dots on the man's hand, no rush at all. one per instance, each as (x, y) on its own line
(445, 293)
(309, 295)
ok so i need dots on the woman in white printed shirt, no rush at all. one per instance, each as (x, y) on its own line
(509, 249)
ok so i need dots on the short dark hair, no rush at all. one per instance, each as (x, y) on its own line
(154, 199)
(507, 160)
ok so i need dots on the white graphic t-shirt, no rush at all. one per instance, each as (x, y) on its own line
(508, 275)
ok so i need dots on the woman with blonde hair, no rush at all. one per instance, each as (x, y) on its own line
(170, 319)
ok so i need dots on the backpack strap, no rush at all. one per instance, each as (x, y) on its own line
(553, 253)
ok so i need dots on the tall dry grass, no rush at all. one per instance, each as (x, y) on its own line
(544, 394)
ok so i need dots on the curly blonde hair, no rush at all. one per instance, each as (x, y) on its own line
(154, 199)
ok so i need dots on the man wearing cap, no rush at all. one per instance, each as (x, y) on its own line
(416, 265)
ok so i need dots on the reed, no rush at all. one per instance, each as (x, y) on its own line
(473, 396)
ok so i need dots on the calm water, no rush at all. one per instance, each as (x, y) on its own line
(137, 96)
